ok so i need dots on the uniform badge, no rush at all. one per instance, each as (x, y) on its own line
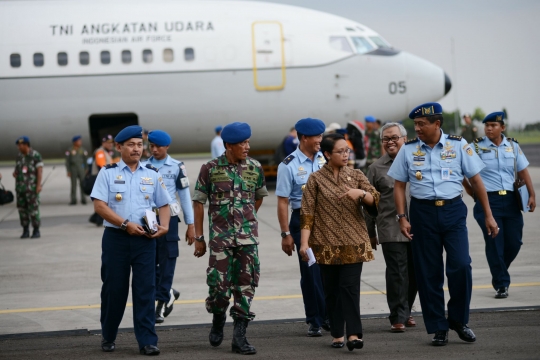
(67, 153)
(303, 187)
(144, 188)
(148, 181)
(469, 151)
(163, 185)
(418, 163)
(321, 160)
(73, 152)
(119, 177)
(418, 152)
(24, 169)
(520, 153)
(508, 149)
(418, 175)
(118, 197)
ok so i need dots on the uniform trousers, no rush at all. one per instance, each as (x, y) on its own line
(77, 173)
(503, 249)
(166, 254)
(310, 280)
(28, 206)
(122, 254)
(400, 280)
(436, 228)
(342, 294)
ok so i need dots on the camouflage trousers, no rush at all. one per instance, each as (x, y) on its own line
(28, 206)
(232, 270)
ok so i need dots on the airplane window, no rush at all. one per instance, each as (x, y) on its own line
(168, 55)
(105, 57)
(340, 43)
(38, 60)
(362, 45)
(189, 54)
(15, 60)
(380, 42)
(147, 56)
(62, 58)
(126, 57)
(84, 58)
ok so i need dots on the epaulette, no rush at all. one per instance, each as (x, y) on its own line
(288, 159)
(111, 166)
(412, 141)
(455, 137)
(513, 139)
(477, 140)
(152, 167)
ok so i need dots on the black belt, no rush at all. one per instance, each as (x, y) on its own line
(293, 210)
(500, 192)
(438, 202)
(115, 229)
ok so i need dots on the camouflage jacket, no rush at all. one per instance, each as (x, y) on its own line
(374, 149)
(26, 171)
(232, 190)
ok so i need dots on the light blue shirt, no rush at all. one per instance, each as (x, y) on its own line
(294, 172)
(217, 147)
(440, 169)
(170, 169)
(130, 194)
(499, 171)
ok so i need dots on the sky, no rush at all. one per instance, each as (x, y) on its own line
(496, 42)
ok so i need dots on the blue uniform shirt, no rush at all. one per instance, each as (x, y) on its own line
(216, 146)
(175, 178)
(436, 173)
(130, 194)
(294, 172)
(499, 171)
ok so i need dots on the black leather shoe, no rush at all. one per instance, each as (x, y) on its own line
(463, 331)
(36, 234)
(338, 344)
(326, 325)
(107, 346)
(440, 338)
(216, 332)
(26, 233)
(73, 203)
(150, 350)
(355, 344)
(160, 309)
(169, 306)
(240, 344)
(502, 293)
(314, 331)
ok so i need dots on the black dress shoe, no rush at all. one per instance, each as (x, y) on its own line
(107, 346)
(314, 331)
(355, 344)
(160, 309)
(36, 234)
(338, 344)
(440, 338)
(169, 306)
(150, 350)
(463, 331)
(502, 293)
(326, 325)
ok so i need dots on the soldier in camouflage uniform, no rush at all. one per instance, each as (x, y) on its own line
(469, 131)
(235, 186)
(28, 173)
(76, 168)
(372, 141)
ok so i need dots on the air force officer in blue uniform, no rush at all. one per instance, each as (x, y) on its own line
(435, 163)
(121, 194)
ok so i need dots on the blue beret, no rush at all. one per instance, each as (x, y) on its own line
(159, 137)
(130, 132)
(76, 137)
(236, 132)
(310, 127)
(218, 128)
(426, 109)
(370, 118)
(497, 116)
(22, 140)
(342, 131)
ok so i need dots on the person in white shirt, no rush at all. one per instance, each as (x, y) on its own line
(216, 145)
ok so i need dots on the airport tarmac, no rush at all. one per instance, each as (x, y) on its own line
(53, 283)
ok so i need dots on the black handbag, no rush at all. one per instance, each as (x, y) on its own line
(88, 183)
(6, 196)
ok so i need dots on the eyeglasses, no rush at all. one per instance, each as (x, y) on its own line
(394, 138)
(342, 152)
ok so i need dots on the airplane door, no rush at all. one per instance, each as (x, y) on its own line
(102, 125)
(268, 56)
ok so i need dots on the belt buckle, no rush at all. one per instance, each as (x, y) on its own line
(439, 202)
(502, 192)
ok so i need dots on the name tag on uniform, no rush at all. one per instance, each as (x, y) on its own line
(119, 181)
(300, 173)
(445, 173)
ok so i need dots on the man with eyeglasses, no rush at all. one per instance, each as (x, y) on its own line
(400, 279)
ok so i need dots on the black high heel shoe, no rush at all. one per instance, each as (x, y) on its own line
(355, 344)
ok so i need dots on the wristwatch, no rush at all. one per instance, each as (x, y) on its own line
(199, 238)
(399, 216)
(284, 234)
(124, 225)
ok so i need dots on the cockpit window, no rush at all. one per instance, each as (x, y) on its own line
(380, 42)
(340, 43)
(362, 45)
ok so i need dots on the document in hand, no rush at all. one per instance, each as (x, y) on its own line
(151, 221)
(311, 257)
(524, 195)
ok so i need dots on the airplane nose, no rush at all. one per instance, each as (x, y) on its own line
(447, 84)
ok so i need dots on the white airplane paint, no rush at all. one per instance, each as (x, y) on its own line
(92, 67)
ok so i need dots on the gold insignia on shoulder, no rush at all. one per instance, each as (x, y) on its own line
(118, 197)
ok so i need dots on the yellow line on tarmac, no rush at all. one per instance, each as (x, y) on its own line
(279, 297)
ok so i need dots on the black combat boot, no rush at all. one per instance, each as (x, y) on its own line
(216, 332)
(26, 233)
(160, 308)
(240, 344)
(36, 233)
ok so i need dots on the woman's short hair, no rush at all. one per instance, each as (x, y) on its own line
(329, 141)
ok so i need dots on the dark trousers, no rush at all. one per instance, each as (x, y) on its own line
(503, 249)
(166, 254)
(310, 280)
(342, 293)
(400, 280)
(122, 253)
(436, 228)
